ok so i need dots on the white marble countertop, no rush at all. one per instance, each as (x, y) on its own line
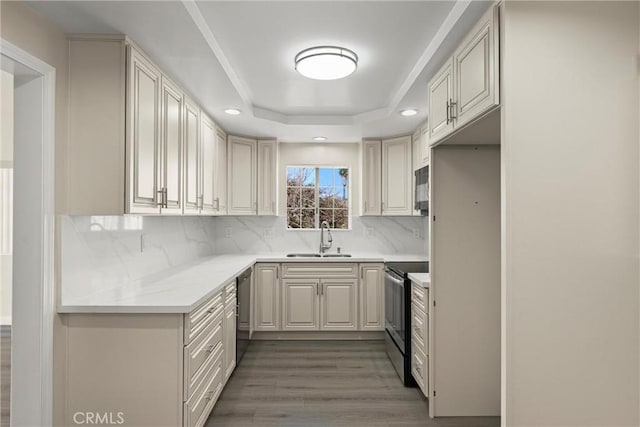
(181, 289)
(421, 279)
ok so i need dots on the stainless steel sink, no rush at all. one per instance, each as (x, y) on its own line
(336, 256)
(303, 255)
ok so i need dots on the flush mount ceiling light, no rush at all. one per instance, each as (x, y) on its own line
(408, 112)
(319, 138)
(326, 62)
(232, 111)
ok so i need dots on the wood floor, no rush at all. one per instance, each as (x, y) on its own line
(5, 373)
(324, 384)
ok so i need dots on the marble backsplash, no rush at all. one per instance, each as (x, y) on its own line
(102, 251)
(384, 235)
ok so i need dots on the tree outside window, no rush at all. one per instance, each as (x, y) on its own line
(317, 194)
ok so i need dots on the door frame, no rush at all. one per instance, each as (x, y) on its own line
(39, 334)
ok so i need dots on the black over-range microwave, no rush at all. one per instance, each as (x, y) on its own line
(422, 190)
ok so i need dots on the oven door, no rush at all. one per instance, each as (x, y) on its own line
(395, 322)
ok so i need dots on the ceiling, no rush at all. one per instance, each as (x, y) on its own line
(240, 54)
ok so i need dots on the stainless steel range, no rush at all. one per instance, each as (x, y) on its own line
(397, 288)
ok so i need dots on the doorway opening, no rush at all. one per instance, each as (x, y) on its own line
(27, 90)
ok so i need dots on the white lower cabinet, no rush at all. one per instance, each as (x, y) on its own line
(371, 297)
(300, 304)
(158, 369)
(319, 297)
(420, 336)
(267, 297)
(338, 304)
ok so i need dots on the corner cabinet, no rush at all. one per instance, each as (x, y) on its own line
(242, 183)
(467, 86)
(252, 176)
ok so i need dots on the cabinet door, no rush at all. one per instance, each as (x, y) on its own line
(372, 297)
(267, 297)
(192, 153)
(476, 71)
(397, 179)
(300, 304)
(440, 97)
(241, 188)
(417, 164)
(143, 120)
(220, 182)
(371, 177)
(425, 149)
(171, 148)
(208, 142)
(229, 340)
(267, 177)
(338, 304)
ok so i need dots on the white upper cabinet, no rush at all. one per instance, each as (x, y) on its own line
(440, 99)
(220, 182)
(208, 144)
(171, 148)
(476, 70)
(241, 186)
(267, 177)
(467, 86)
(371, 178)
(397, 172)
(425, 149)
(192, 154)
(137, 143)
(145, 195)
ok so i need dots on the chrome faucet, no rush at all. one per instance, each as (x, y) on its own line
(324, 246)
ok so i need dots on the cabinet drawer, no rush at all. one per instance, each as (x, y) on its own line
(420, 369)
(420, 297)
(319, 270)
(197, 408)
(230, 288)
(206, 345)
(196, 321)
(420, 327)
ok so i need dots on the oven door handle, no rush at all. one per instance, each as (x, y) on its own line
(394, 279)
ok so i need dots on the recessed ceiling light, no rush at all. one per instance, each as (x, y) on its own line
(326, 62)
(232, 111)
(319, 138)
(409, 112)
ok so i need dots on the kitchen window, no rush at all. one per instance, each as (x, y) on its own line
(316, 194)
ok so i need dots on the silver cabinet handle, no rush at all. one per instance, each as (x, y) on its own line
(382, 206)
(451, 106)
(448, 111)
(255, 204)
(217, 200)
(209, 395)
(200, 201)
(160, 201)
(211, 310)
(165, 196)
(210, 348)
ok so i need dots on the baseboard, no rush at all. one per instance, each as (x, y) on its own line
(318, 335)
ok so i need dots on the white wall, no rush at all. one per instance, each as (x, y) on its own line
(6, 194)
(571, 214)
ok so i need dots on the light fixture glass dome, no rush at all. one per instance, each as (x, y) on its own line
(326, 62)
